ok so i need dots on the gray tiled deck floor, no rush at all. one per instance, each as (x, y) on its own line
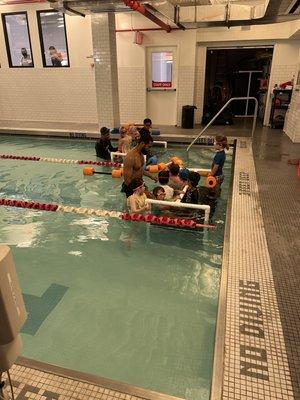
(240, 128)
(279, 190)
(279, 200)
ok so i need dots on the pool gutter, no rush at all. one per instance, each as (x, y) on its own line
(93, 379)
(218, 363)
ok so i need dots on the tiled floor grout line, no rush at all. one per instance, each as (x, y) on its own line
(256, 365)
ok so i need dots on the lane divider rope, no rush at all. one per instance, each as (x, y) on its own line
(60, 160)
(135, 217)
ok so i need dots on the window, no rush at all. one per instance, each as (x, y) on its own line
(17, 40)
(53, 38)
(162, 63)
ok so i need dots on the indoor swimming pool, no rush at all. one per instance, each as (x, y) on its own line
(143, 314)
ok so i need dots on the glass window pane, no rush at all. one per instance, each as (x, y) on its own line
(17, 40)
(162, 64)
(53, 39)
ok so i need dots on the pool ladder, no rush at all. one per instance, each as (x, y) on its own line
(222, 109)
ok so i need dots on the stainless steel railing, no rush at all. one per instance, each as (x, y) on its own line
(222, 109)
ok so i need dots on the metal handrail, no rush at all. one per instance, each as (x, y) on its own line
(221, 110)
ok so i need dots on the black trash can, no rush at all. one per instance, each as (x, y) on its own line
(187, 118)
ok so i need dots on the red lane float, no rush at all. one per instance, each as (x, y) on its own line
(12, 157)
(165, 221)
(28, 204)
(135, 217)
(100, 163)
(62, 161)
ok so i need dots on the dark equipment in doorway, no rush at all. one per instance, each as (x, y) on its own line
(235, 72)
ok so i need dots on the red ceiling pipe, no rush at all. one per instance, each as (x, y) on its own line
(143, 29)
(136, 6)
(12, 2)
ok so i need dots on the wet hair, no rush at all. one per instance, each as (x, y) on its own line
(135, 183)
(104, 131)
(52, 48)
(174, 169)
(163, 177)
(145, 136)
(194, 178)
(158, 189)
(147, 121)
(222, 141)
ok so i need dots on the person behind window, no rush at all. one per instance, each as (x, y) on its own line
(56, 57)
(26, 60)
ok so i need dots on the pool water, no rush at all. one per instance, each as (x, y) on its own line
(141, 312)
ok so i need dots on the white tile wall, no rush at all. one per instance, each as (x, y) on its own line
(185, 89)
(46, 94)
(292, 120)
(132, 94)
(199, 92)
(106, 74)
(280, 74)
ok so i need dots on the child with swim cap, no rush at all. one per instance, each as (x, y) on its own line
(137, 201)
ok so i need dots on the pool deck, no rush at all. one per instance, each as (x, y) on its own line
(257, 353)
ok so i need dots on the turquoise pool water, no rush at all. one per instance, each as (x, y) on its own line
(143, 314)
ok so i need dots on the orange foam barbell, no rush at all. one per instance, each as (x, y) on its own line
(177, 160)
(211, 182)
(162, 166)
(115, 173)
(153, 169)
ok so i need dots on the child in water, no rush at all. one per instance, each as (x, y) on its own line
(220, 145)
(137, 201)
(125, 140)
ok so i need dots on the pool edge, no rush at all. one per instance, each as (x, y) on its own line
(94, 379)
(219, 348)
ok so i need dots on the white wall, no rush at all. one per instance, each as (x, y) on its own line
(69, 94)
(49, 94)
(292, 120)
(132, 65)
(284, 68)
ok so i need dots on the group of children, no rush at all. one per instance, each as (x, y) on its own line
(129, 136)
(181, 185)
(175, 184)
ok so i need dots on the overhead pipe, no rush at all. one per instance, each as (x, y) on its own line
(136, 6)
(143, 29)
(13, 2)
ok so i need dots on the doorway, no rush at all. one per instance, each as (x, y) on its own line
(236, 72)
(162, 85)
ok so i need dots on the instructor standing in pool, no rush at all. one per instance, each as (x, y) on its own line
(133, 167)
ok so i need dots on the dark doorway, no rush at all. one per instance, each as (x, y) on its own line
(235, 72)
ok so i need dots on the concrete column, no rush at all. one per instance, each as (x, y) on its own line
(106, 69)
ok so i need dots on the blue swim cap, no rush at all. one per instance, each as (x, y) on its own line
(184, 174)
